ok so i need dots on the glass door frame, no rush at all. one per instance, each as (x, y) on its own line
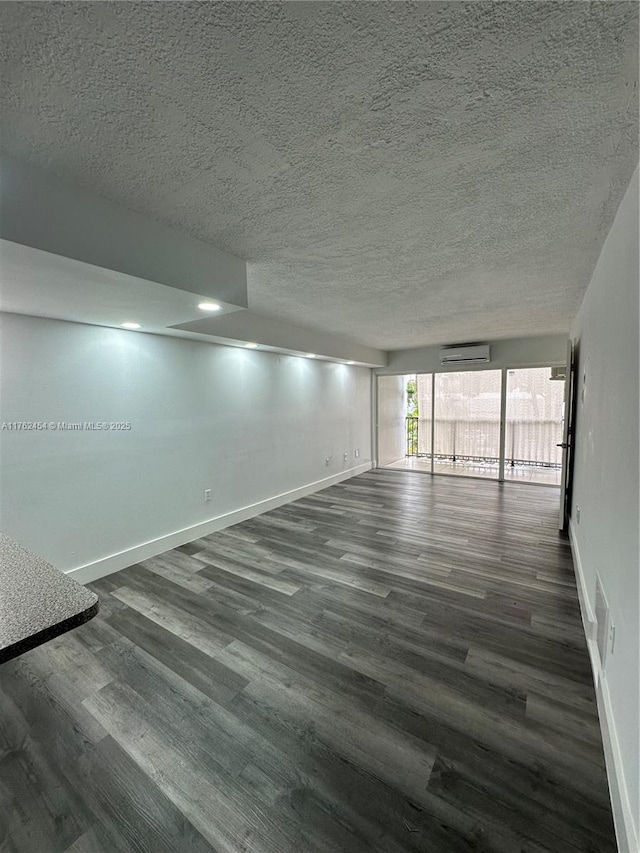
(503, 423)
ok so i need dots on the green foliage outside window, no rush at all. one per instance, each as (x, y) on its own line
(412, 399)
(412, 418)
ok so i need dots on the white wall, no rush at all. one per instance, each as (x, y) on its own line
(510, 352)
(249, 425)
(391, 419)
(606, 480)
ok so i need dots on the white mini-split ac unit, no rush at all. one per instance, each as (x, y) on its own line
(471, 354)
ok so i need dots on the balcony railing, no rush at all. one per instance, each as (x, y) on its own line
(526, 442)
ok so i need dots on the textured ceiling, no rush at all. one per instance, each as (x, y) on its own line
(399, 173)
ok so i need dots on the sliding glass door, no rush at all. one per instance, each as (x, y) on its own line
(495, 424)
(534, 426)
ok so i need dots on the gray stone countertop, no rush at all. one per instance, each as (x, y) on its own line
(37, 601)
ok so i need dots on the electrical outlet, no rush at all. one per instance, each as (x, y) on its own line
(207, 495)
(612, 637)
(327, 461)
(345, 456)
(577, 515)
(356, 452)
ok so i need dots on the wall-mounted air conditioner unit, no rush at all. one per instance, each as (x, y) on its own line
(472, 354)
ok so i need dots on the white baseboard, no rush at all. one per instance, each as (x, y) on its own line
(626, 832)
(588, 616)
(122, 559)
(624, 823)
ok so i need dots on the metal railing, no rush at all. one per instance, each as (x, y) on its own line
(412, 437)
(526, 443)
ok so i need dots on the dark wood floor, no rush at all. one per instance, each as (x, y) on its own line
(393, 664)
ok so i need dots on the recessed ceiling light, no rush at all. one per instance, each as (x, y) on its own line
(209, 306)
(351, 362)
(129, 325)
(251, 346)
(310, 355)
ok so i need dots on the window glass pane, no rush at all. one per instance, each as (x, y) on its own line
(424, 384)
(467, 423)
(534, 426)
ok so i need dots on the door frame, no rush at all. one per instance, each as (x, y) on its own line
(568, 438)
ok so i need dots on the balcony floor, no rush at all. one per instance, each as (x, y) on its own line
(536, 474)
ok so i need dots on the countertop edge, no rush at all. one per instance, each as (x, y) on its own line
(49, 633)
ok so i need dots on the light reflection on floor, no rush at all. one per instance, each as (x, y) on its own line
(517, 473)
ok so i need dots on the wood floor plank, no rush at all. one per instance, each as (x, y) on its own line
(212, 678)
(256, 577)
(183, 577)
(34, 816)
(397, 759)
(126, 800)
(395, 664)
(165, 613)
(211, 802)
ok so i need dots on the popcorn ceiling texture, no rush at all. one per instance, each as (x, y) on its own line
(399, 173)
